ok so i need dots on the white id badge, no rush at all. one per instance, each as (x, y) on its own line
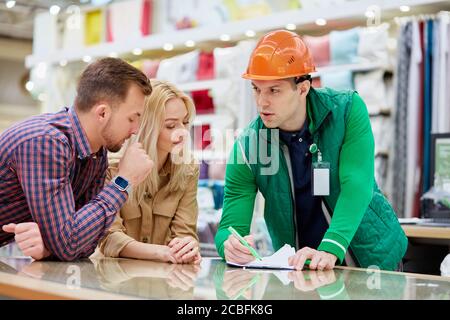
(321, 179)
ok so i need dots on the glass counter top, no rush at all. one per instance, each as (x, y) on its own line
(108, 278)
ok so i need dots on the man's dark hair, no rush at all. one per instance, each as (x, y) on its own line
(108, 79)
(294, 81)
(305, 77)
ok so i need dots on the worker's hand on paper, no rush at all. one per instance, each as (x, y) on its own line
(311, 280)
(236, 252)
(28, 238)
(320, 260)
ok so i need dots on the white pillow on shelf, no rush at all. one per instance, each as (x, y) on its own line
(179, 69)
(338, 80)
(231, 62)
(371, 87)
(382, 128)
(373, 41)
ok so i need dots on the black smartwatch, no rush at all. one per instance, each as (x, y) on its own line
(122, 184)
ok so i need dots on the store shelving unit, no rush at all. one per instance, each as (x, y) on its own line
(304, 18)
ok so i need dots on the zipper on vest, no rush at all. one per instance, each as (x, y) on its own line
(291, 180)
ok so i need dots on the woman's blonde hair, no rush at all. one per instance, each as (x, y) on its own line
(151, 124)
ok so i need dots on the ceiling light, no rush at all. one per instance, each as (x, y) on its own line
(29, 85)
(250, 33)
(405, 8)
(87, 59)
(189, 43)
(168, 47)
(225, 37)
(291, 26)
(321, 22)
(54, 10)
(137, 51)
(10, 4)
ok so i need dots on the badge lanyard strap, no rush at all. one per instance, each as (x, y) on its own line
(313, 148)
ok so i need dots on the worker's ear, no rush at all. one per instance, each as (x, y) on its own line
(304, 87)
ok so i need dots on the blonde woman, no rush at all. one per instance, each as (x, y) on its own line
(158, 222)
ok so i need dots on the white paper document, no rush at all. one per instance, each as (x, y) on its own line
(279, 260)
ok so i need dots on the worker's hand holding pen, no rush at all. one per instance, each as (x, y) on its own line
(240, 249)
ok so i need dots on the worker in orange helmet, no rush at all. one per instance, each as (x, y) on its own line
(321, 196)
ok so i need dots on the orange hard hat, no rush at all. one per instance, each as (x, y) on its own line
(279, 54)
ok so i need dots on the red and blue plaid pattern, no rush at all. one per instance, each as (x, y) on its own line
(49, 175)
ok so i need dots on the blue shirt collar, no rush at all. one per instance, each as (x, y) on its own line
(291, 136)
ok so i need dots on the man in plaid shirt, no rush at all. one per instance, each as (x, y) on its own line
(53, 200)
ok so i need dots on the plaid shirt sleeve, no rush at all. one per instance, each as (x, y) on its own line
(42, 165)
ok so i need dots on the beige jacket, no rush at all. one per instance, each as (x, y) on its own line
(157, 220)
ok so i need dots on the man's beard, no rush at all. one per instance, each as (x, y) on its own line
(114, 148)
(111, 146)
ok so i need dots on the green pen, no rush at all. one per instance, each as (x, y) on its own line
(245, 243)
(307, 262)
